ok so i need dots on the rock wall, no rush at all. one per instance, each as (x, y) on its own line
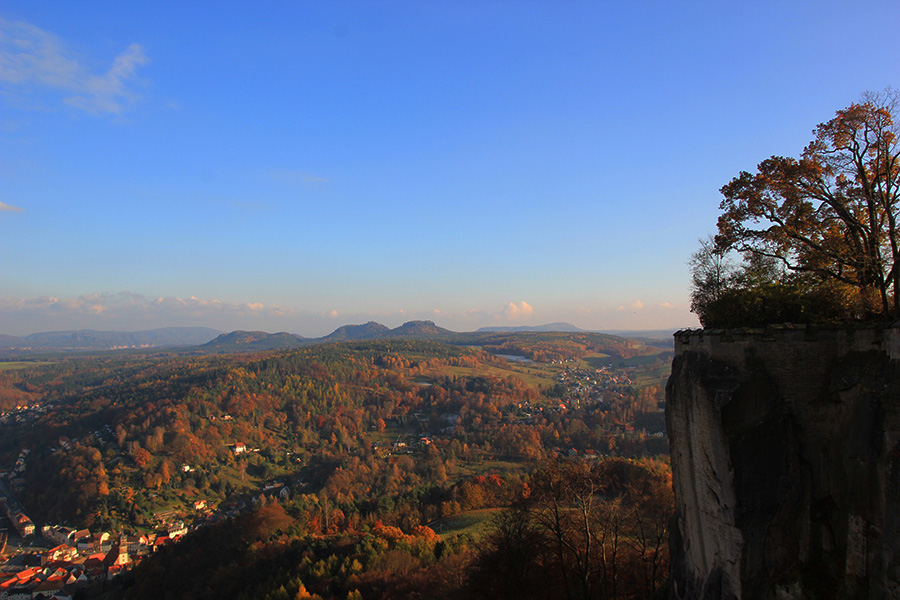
(785, 445)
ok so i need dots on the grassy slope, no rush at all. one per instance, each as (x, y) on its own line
(473, 524)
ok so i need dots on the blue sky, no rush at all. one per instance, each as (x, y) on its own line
(296, 166)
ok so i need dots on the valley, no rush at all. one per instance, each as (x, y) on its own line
(342, 438)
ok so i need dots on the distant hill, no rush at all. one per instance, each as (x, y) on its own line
(564, 327)
(205, 339)
(508, 340)
(367, 331)
(419, 329)
(377, 331)
(90, 339)
(252, 341)
(11, 341)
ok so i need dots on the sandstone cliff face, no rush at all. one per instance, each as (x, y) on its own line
(785, 448)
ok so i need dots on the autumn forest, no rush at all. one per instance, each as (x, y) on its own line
(373, 469)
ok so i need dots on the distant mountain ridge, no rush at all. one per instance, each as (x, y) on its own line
(563, 327)
(253, 341)
(366, 331)
(205, 339)
(91, 339)
(419, 329)
(260, 340)
(10, 341)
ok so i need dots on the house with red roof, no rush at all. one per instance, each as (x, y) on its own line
(61, 553)
(48, 587)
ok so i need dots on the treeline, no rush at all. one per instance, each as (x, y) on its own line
(383, 430)
(571, 530)
(550, 346)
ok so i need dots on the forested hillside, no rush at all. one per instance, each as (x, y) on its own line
(358, 452)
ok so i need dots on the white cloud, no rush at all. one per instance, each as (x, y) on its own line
(129, 311)
(86, 304)
(634, 306)
(110, 91)
(33, 58)
(4, 207)
(195, 306)
(516, 311)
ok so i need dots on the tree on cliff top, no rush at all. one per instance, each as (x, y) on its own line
(819, 234)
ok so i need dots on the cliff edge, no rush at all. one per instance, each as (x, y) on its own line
(785, 445)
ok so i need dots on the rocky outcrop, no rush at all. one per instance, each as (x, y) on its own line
(785, 447)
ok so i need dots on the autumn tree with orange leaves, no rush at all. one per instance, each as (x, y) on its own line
(819, 234)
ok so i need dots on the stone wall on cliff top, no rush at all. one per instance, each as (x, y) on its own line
(785, 448)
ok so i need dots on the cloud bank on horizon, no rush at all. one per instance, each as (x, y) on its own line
(127, 311)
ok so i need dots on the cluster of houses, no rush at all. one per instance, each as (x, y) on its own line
(80, 557)
(583, 387)
(23, 414)
(15, 476)
(275, 489)
(86, 543)
(593, 384)
(63, 569)
(20, 521)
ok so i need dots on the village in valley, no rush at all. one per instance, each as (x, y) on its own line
(53, 561)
